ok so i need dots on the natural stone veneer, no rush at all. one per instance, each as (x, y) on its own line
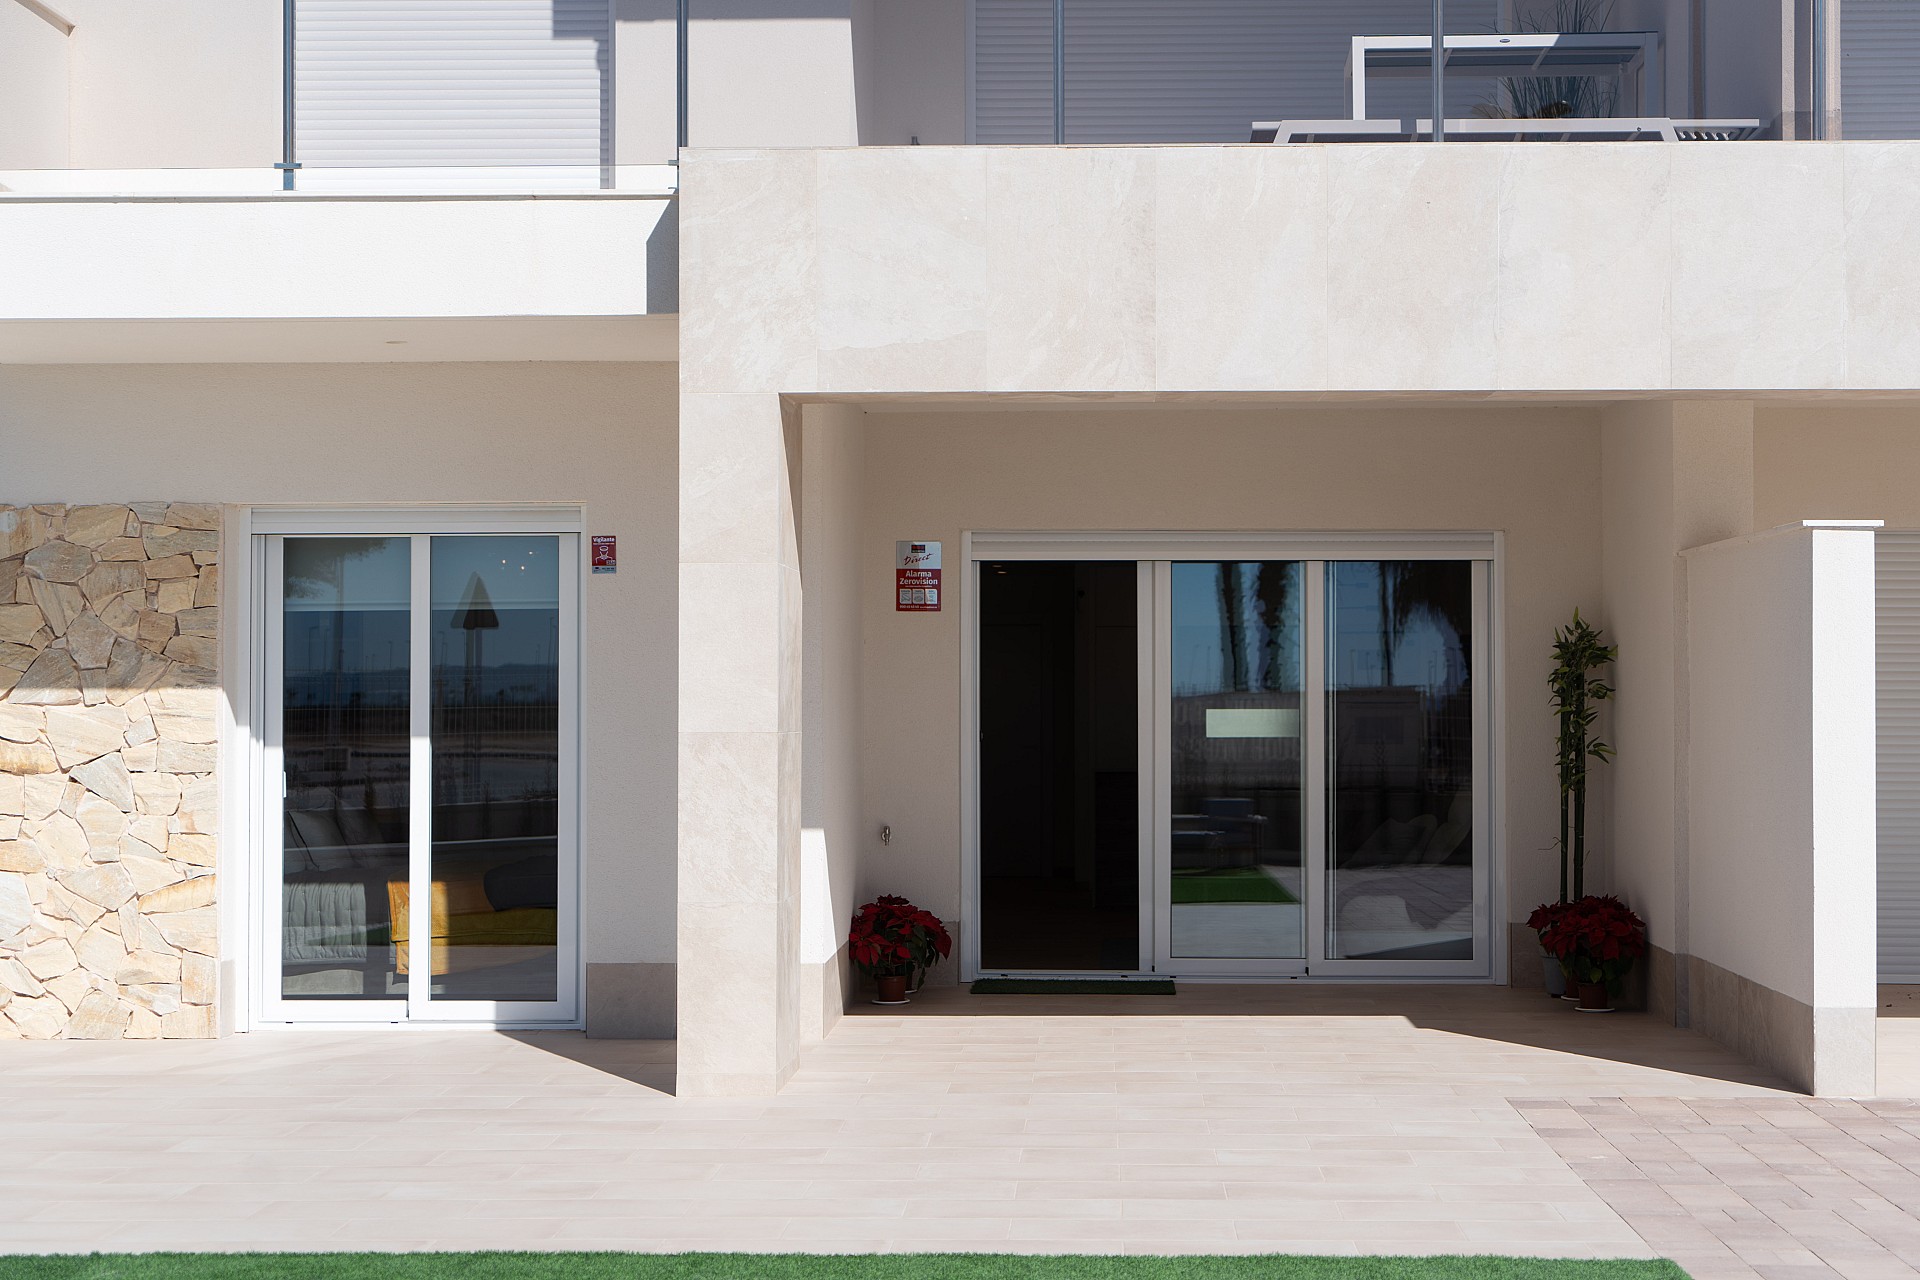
(108, 645)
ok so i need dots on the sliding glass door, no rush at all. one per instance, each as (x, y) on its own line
(1314, 741)
(1402, 746)
(420, 708)
(1235, 881)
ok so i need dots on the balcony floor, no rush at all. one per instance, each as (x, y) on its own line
(1226, 1119)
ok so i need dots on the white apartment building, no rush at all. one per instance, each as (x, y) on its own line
(461, 456)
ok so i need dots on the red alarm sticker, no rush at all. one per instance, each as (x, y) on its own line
(916, 577)
(605, 553)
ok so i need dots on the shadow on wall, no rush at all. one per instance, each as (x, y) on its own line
(663, 263)
(588, 20)
(731, 10)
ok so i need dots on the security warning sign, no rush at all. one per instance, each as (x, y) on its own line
(916, 577)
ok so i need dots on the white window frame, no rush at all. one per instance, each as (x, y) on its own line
(1154, 553)
(255, 546)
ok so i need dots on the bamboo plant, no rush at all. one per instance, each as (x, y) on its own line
(1579, 649)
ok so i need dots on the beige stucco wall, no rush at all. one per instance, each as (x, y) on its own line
(601, 435)
(175, 83)
(33, 90)
(1836, 461)
(1532, 473)
(1673, 475)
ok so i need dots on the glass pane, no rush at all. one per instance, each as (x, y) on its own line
(1237, 818)
(1059, 769)
(495, 880)
(344, 741)
(1400, 779)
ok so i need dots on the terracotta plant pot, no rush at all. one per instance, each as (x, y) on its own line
(1593, 998)
(892, 989)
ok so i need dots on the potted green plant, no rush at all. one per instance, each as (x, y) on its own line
(1597, 938)
(1579, 649)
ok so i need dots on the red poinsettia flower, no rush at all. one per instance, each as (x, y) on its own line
(1597, 938)
(892, 936)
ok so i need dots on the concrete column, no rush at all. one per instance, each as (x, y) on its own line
(1781, 784)
(831, 828)
(739, 757)
(1674, 474)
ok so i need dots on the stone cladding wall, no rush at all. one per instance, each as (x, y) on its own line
(109, 618)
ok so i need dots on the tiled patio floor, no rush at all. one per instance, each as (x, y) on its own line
(1227, 1119)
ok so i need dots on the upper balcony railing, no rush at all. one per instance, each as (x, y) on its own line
(369, 98)
(1107, 71)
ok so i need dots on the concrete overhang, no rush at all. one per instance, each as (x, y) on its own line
(142, 279)
(1606, 270)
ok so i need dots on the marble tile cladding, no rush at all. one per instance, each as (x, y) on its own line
(1560, 323)
(1759, 273)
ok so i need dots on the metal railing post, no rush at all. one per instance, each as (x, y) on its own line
(288, 162)
(1059, 71)
(1817, 74)
(1439, 71)
(680, 72)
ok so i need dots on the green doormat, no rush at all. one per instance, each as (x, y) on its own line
(1072, 987)
(774, 1266)
(1230, 884)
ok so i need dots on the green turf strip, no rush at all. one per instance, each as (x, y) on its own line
(1233, 884)
(1072, 987)
(789, 1266)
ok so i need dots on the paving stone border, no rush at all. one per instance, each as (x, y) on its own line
(1753, 1188)
(109, 625)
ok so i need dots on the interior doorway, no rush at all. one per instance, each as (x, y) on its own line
(1251, 756)
(1059, 775)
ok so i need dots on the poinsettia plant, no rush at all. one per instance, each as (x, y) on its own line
(891, 936)
(1543, 917)
(1597, 938)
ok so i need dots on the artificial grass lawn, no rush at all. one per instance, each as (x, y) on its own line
(1229, 884)
(790, 1266)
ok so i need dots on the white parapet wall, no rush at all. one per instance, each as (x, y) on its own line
(272, 257)
(223, 275)
(1780, 800)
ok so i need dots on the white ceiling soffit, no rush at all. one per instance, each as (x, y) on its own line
(336, 341)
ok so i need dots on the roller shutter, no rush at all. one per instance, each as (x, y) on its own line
(1898, 611)
(453, 88)
(1145, 71)
(1880, 68)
